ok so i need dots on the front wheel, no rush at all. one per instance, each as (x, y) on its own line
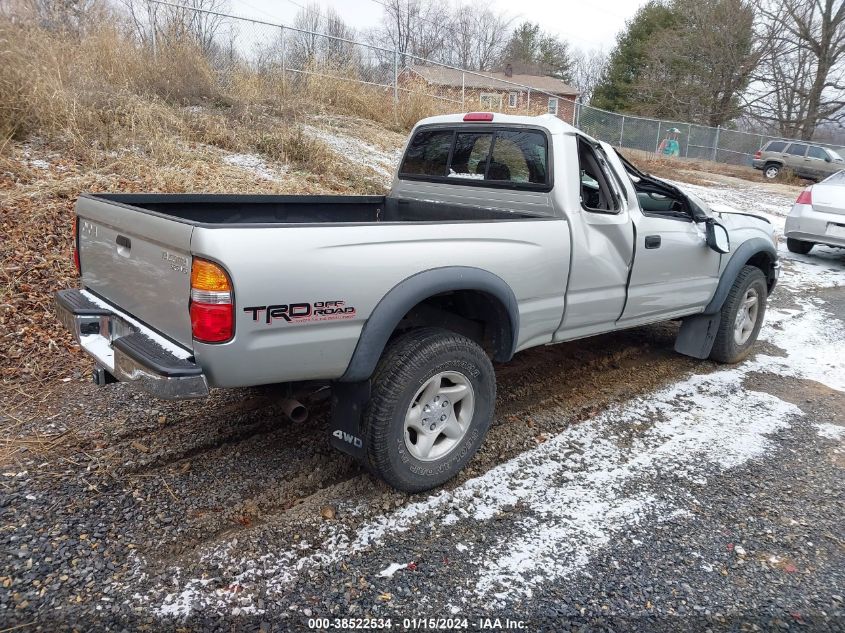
(742, 316)
(798, 246)
(431, 406)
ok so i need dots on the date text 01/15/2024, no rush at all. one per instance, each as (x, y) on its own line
(417, 624)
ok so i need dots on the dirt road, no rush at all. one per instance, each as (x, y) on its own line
(623, 487)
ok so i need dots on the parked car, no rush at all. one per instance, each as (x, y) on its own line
(499, 233)
(805, 160)
(818, 216)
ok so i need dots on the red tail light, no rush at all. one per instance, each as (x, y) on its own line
(212, 312)
(805, 197)
(211, 323)
(76, 245)
(758, 153)
(478, 116)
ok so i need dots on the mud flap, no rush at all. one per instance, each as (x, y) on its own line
(348, 402)
(697, 335)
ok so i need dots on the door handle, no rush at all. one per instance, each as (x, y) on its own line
(652, 241)
(124, 245)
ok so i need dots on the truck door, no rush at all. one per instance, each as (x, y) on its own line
(602, 244)
(674, 271)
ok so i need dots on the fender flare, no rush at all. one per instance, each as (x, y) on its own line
(740, 257)
(408, 293)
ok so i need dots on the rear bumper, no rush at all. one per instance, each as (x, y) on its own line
(806, 224)
(757, 163)
(127, 349)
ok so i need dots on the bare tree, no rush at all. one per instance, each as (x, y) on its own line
(305, 44)
(803, 80)
(197, 21)
(587, 69)
(74, 17)
(338, 50)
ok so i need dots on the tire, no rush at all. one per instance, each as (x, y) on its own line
(771, 171)
(411, 370)
(798, 246)
(733, 343)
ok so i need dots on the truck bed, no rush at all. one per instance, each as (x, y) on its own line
(234, 209)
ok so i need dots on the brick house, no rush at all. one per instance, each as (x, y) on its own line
(506, 91)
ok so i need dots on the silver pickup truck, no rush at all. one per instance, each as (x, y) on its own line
(499, 233)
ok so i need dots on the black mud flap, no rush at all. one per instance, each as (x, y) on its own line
(348, 402)
(697, 335)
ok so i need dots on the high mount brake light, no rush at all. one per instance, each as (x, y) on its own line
(212, 312)
(805, 197)
(478, 116)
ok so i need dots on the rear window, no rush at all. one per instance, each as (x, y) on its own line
(796, 149)
(776, 146)
(504, 157)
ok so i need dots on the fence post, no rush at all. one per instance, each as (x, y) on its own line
(463, 89)
(657, 142)
(689, 135)
(529, 101)
(284, 60)
(395, 76)
(621, 131)
(716, 143)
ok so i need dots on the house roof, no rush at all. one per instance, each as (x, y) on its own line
(498, 81)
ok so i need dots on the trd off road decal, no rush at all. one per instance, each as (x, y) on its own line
(302, 312)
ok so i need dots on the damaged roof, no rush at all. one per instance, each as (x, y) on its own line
(497, 81)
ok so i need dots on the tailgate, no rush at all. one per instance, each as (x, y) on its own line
(138, 261)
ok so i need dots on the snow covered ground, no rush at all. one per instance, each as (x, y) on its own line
(577, 491)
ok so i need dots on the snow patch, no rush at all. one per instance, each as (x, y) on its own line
(392, 569)
(380, 161)
(830, 431)
(251, 163)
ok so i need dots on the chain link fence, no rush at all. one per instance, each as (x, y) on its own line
(297, 59)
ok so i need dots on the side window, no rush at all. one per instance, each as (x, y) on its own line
(553, 106)
(796, 149)
(519, 157)
(817, 152)
(775, 146)
(513, 99)
(469, 159)
(428, 153)
(491, 100)
(597, 191)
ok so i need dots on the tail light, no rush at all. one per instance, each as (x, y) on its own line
(758, 153)
(805, 197)
(76, 245)
(478, 116)
(212, 312)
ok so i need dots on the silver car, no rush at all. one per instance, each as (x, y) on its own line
(818, 216)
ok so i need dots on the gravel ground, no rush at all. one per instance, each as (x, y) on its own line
(623, 488)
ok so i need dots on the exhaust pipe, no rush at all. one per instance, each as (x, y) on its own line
(294, 410)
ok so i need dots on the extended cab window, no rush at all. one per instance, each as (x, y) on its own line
(500, 157)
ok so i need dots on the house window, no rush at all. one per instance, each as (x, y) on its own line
(491, 100)
(513, 99)
(553, 105)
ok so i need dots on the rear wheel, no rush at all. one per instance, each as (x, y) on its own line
(798, 246)
(432, 403)
(771, 171)
(742, 316)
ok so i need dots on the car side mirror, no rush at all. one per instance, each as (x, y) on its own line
(827, 159)
(717, 237)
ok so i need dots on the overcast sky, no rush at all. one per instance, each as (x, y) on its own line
(586, 25)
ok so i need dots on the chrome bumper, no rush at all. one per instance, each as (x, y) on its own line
(128, 350)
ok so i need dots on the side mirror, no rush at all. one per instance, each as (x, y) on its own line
(717, 237)
(827, 159)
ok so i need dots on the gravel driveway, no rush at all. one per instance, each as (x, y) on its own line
(623, 488)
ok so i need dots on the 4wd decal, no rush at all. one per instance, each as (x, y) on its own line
(302, 312)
